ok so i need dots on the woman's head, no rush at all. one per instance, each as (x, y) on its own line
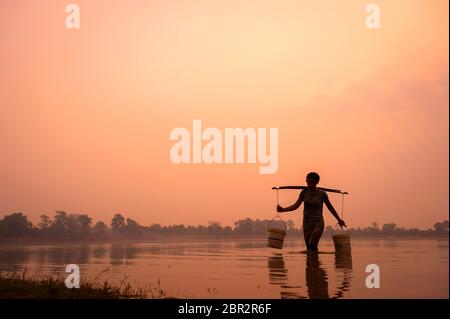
(312, 179)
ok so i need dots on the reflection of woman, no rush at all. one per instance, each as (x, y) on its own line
(316, 278)
(313, 223)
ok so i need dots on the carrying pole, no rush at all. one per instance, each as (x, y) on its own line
(304, 187)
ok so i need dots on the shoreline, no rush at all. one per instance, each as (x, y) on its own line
(16, 286)
(103, 241)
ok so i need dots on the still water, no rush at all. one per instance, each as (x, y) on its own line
(248, 269)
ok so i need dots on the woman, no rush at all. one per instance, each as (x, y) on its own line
(313, 223)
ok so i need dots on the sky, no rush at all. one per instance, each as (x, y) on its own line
(86, 114)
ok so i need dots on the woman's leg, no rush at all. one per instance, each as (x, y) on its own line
(307, 231)
(315, 236)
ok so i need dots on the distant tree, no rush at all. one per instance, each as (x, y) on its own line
(214, 228)
(202, 230)
(44, 226)
(156, 228)
(132, 228)
(79, 226)
(445, 225)
(45, 222)
(290, 224)
(259, 227)
(73, 228)
(118, 222)
(388, 228)
(132, 223)
(65, 225)
(244, 226)
(70, 225)
(227, 231)
(191, 230)
(99, 229)
(214, 224)
(15, 225)
(177, 229)
(84, 222)
(441, 227)
(59, 225)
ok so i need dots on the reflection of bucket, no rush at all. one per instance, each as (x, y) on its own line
(341, 239)
(343, 260)
(277, 270)
(275, 237)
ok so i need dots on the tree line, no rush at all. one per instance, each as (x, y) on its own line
(80, 226)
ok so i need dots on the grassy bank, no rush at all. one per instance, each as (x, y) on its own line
(20, 286)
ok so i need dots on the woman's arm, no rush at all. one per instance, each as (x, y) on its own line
(290, 208)
(333, 212)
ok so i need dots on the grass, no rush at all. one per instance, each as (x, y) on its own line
(21, 286)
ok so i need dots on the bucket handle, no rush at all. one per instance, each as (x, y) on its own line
(278, 216)
(341, 226)
(347, 229)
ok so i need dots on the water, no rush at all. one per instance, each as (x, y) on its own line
(248, 269)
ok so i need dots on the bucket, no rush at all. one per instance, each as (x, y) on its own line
(341, 239)
(275, 236)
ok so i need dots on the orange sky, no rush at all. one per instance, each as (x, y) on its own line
(85, 115)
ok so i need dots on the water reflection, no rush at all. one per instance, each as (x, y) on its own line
(344, 272)
(194, 267)
(316, 277)
(122, 254)
(13, 259)
(63, 255)
(278, 275)
(99, 251)
(277, 270)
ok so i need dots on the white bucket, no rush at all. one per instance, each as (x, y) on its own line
(341, 239)
(275, 238)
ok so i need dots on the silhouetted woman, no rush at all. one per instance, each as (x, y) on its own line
(313, 223)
